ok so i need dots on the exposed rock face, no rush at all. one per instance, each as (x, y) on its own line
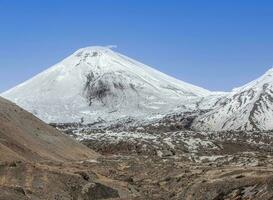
(232, 185)
(94, 191)
(53, 180)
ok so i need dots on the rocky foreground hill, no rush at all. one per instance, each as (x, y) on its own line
(39, 162)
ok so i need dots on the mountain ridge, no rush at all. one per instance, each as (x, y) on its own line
(249, 107)
(96, 84)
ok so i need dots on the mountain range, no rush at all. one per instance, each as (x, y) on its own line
(96, 84)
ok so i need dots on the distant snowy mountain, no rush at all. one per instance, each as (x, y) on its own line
(246, 108)
(97, 84)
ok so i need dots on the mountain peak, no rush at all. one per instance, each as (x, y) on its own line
(93, 50)
(98, 83)
(266, 78)
(249, 107)
(269, 72)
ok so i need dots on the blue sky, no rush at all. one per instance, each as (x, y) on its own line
(218, 45)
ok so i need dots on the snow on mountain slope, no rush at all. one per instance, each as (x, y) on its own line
(98, 84)
(249, 107)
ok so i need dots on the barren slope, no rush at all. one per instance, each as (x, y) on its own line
(23, 136)
(38, 162)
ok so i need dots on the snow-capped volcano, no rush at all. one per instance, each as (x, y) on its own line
(96, 83)
(249, 107)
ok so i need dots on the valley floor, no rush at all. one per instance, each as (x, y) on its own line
(185, 164)
(140, 165)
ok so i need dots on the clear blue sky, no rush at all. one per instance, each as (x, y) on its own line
(214, 44)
